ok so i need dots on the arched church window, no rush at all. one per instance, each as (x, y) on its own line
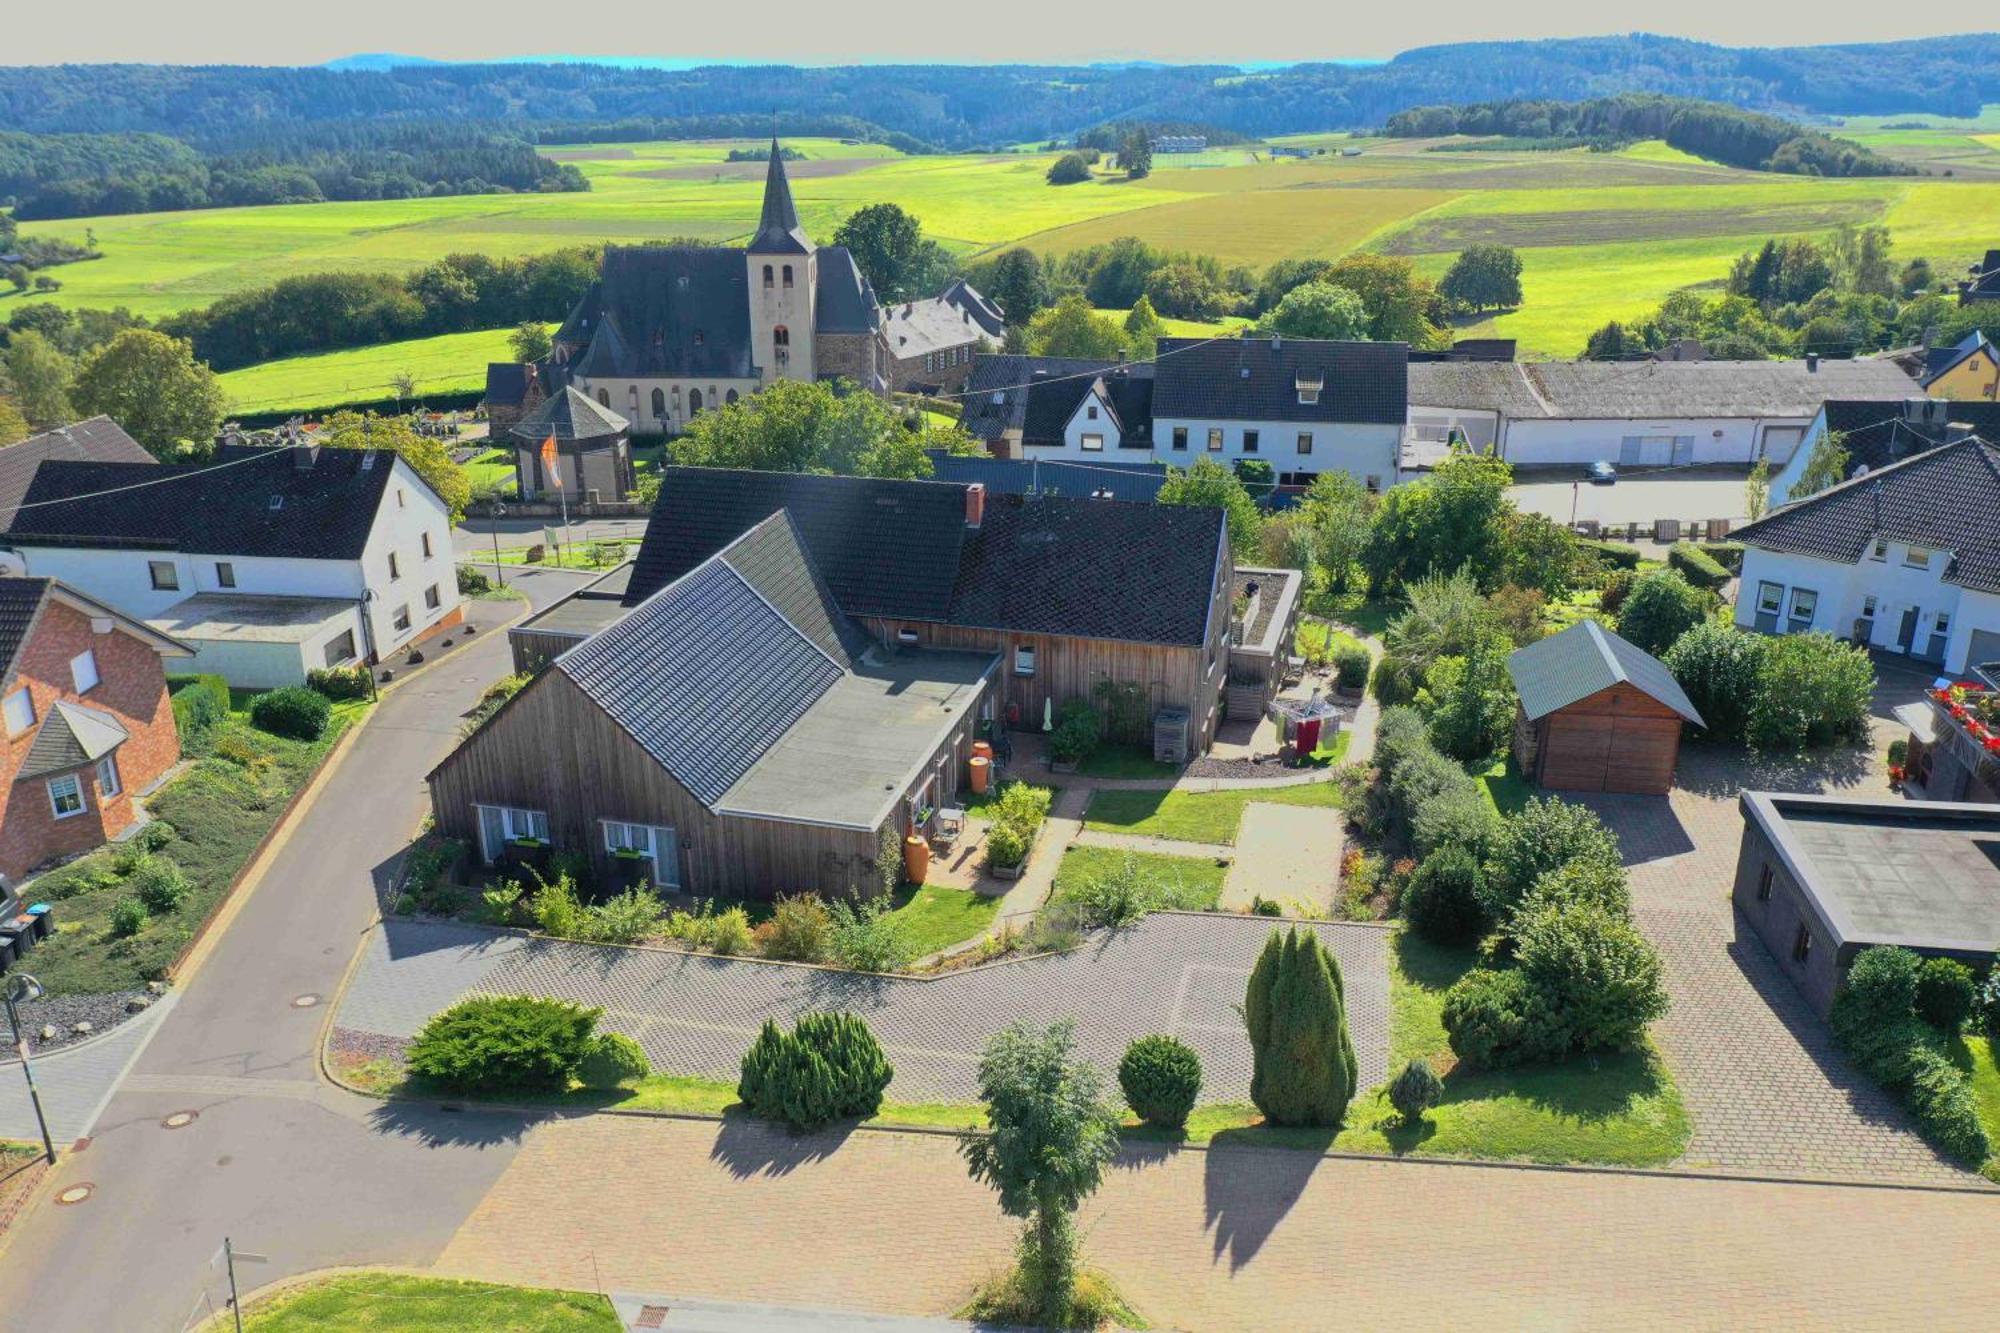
(788, 276)
(767, 276)
(694, 402)
(781, 336)
(659, 403)
(731, 398)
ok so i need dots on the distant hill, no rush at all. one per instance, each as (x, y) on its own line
(962, 106)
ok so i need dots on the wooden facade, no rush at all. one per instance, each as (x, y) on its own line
(1619, 739)
(552, 749)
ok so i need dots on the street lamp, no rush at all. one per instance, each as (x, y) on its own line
(498, 511)
(20, 988)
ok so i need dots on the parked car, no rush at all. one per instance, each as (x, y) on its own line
(1600, 473)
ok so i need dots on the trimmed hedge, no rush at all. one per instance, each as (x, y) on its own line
(294, 711)
(200, 704)
(1727, 554)
(1876, 1019)
(348, 682)
(1696, 566)
(1615, 554)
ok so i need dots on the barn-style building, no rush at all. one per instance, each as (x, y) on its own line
(1597, 714)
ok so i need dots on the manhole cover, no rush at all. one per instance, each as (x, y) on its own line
(75, 1194)
(179, 1120)
(305, 1002)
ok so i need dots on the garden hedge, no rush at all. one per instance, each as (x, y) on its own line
(1614, 554)
(200, 704)
(1697, 566)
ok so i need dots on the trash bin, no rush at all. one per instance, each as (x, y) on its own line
(8, 952)
(45, 920)
(22, 928)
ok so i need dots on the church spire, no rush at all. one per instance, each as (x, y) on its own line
(778, 230)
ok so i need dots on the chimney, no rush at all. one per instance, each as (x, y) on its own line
(1276, 342)
(1812, 363)
(975, 504)
(304, 456)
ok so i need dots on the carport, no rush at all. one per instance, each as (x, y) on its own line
(1597, 714)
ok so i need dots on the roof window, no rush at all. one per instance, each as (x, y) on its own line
(277, 502)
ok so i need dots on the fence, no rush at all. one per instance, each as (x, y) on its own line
(1664, 531)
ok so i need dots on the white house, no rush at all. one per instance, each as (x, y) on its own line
(1638, 413)
(270, 561)
(1876, 434)
(1905, 559)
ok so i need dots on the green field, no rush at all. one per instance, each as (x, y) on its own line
(449, 363)
(1602, 235)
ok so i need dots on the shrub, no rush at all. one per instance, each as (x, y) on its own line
(1617, 586)
(1302, 1057)
(127, 857)
(1006, 845)
(1875, 1020)
(1696, 566)
(1400, 733)
(1395, 680)
(1661, 607)
(472, 581)
(499, 1043)
(1882, 984)
(1078, 730)
(152, 837)
(729, 932)
(1488, 1017)
(1593, 974)
(348, 682)
(612, 1060)
(1616, 555)
(1941, 1096)
(294, 712)
(1350, 666)
(1590, 880)
(1117, 897)
(1945, 994)
(800, 930)
(1442, 902)
(498, 906)
(827, 1068)
(1457, 816)
(128, 918)
(1420, 782)
(1722, 670)
(1989, 999)
(624, 918)
(1161, 1078)
(200, 704)
(1545, 835)
(1815, 690)
(870, 938)
(557, 910)
(1415, 1090)
(1727, 554)
(1024, 806)
(1471, 700)
(161, 885)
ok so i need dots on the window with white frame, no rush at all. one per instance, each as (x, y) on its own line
(1770, 598)
(165, 577)
(66, 795)
(1214, 439)
(657, 844)
(401, 620)
(19, 711)
(108, 782)
(502, 824)
(1024, 659)
(1942, 625)
(1093, 444)
(1805, 603)
(83, 671)
(1305, 441)
(1917, 557)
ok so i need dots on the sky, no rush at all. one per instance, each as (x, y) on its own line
(798, 32)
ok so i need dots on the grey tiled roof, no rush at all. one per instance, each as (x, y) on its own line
(98, 440)
(1945, 499)
(20, 598)
(1256, 379)
(71, 736)
(985, 311)
(571, 416)
(1573, 390)
(1878, 434)
(705, 675)
(670, 310)
(506, 383)
(771, 558)
(847, 301)
(1584, 659)
(1137, 482)
(917, 328)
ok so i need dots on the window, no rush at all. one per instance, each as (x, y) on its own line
(1093, 444)
(340, 648)
(1868, 608)
(431, 599)
(402, 498)
(401, 620)
(83, 671)
(1804, 603)
(1770, 598)
(729, 397)
(20, 711)
(656, 844)
(500, 824)
(1942, 625)
(660, 404)
(1881, 551)
(1214, 439)
(1305, 441)
(1024, 659)
(1249, 441)
(165, 577)
(1917, 558)
(768, 276)
(225, 574)
(66, 795)
(1092, 411)
(108, 784)
(788, 277)
(694, 402)
(395, 567)
(1180, 437)
(604, 398)
(1802, 946)
(1764, 885)
(781, 338)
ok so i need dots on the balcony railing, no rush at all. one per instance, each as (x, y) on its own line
(1968, 725)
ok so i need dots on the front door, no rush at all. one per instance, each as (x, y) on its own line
(1907, 633)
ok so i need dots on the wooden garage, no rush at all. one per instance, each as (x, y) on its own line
(1597, 714)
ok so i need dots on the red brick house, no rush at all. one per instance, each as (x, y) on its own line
(84, 721)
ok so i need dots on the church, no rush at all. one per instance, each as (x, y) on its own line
(667, 332)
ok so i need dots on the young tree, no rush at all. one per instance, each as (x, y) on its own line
(1541, 553)
(1210, 483)
(1182, 291)
(1143, 327)
(798, 427)
(1757, 489)
(1483, 277)
(1017, 281)
(1402, 307)
(530, 340)
(1303, 1065)
(1069, 169)
(428, 457)
(1135, 154)
(1661, 607)
(1054, 1133)
(1456, 517)
(13, 426)
(405, 385)
(151, 385)
(1825, 466)
(892, 251)
(1338, 510)
(41, 377)
(1071, 327)
(1318, 310)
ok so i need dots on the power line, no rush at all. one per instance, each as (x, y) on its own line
(271, 452)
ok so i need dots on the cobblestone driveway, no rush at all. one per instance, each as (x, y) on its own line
(1174, 972)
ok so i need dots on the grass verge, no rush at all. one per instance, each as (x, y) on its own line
(1190, 883)
(1125, 762)
(938, 916)
(1196, 816)
(1504, 786)
(394, 1303)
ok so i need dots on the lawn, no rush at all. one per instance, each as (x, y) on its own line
(1194, 883)
(219, 809)
(1125, 762)
(939, 916)
(394, 1303)
(1978, 1061)
(1504, 786)
(1188, 816)
(448, 363)
(494, 468)
(566, 555)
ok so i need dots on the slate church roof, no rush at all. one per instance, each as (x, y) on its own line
(778, 229)
(671, 311)
(570, 416)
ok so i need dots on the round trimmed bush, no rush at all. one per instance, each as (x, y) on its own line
(1350, 666)
(1442, 900)
(613, 1060)
(1945, 993)
(827, 1068)
(1487, 1017)
(1882, 984)
(294, 712)
(161, 885)
(128, 918)
(504, 1043)
(1161, 1078)
(1415, 1090)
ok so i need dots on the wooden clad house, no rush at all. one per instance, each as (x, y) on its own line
(1597, 714)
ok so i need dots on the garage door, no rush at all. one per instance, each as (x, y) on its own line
(1616, 754)
(1576, 753)
(1984, 648)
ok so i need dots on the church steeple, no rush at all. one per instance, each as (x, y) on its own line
(778, 230)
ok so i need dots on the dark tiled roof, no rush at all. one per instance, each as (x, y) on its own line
(506, 383)
(1878, 434)
(705, 675)
(778, 229)
(1987, 283)
(19, 600)
(1138, 483)
(581, 323)
(98, 440)
(325, 511)
(669, 310)
(1207, 379)
(1944, 499)
(1012, 378)
(71, 736)
(1053, 402)
(886, 548)
(1582, 660)
(1938, 360)
(1060, 565)
(984, 310)
(771, 558)
(847, 301)
(569, 416)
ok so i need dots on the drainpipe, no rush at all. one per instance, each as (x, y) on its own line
(368, 656)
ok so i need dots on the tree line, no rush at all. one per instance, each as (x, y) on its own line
(1726, 134)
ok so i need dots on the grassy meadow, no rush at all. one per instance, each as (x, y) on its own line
(1601, 235)
(448, 363)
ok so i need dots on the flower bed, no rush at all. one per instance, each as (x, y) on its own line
(1971, 717)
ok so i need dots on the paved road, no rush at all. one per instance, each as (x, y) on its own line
(276, 1159)
(1698, 493)
(475, 534)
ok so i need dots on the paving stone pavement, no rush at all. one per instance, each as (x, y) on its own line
(74, 1083)
(1180, 973)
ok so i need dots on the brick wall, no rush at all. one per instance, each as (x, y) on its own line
(132, 688)
(905, 371)
(852, 356)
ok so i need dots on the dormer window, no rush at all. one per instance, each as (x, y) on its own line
(1917, 558)
(1092, 410)
(277, 503)
(1309, 387)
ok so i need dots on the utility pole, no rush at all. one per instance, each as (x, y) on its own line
(229, 1261)
(25, 987)
(499, 511)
